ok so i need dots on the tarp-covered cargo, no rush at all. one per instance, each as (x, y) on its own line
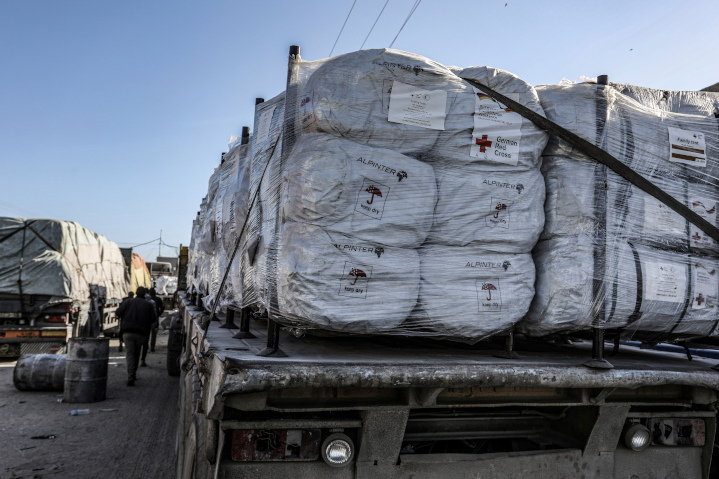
(60, 260)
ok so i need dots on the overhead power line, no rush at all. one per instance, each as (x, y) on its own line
(414, 7)
(343, 27)
(375, 23)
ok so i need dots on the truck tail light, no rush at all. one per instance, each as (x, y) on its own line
(276, 444)
(338, 450)
(637, 437)
(54, 318)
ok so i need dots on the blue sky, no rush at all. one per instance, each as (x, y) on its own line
(113, 114)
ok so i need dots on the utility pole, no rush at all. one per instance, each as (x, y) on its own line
(159, 253)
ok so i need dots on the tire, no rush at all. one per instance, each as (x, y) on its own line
(173, 362)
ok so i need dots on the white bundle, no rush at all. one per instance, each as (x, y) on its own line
(350, 96)
(497, 211)
(371, 194)
(643, 288)
(687, 102)
(470, 293)
(483, 131)
(165, 285)
(341, 284)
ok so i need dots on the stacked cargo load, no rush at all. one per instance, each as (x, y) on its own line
(613, 256)
(46, 262)
(367, 219)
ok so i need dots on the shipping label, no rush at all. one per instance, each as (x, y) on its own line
(264, 124)
(497, 130)
(417, 107)
(687, 147)
(371, 198)
(707, 209)
(705, 285)
(660, 219)
(489, 295)
(355, 279)
(498, 213)
(665, 282)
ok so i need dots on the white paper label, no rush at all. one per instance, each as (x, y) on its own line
(665, 282)
(371, 199)
(707, 209)
(659, 218)
(687, 147)
(263, 125)
(497, 130)
(705, 285)
(355, 279)
(489, 295)
(417, 107)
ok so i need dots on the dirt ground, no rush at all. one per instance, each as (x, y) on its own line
(133, 439)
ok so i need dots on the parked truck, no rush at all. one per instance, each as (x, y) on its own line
(364, 349)
(375, 407)
(57, 280)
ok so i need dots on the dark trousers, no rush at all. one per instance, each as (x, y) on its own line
(153, 337)
(133, 344)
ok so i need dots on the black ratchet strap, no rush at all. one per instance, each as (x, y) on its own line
(604, 158)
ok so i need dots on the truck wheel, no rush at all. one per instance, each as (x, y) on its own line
(173, 362)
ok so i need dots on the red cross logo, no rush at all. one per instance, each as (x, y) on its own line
(483, 143)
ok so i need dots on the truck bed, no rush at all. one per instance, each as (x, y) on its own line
(398, 362)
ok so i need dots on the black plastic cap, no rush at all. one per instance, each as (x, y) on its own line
(259, 100)
(603, 80)
(294, 50)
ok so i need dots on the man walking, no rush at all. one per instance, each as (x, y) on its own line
(160, 307)
(138, 316)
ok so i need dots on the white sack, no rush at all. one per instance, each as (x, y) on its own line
(668, 300)
(371, 194)
(496, 211)
(470, 293)
(341, 284)
(507, 141)
(349, 96)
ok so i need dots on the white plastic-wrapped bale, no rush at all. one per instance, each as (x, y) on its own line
(371, 194)
(382, 98)
(165, 285)
(687, 102)
(264, 179)
(642, 289)
(342, 284)
(480, 130)
(570, 207)
(496, 211)
(470, 293)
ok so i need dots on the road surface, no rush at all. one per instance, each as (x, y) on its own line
(134, 439)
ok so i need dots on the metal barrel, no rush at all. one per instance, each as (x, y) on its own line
(86, 371)
(40, 372)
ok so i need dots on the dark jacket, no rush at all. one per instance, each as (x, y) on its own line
(159, 305)
(138, 316)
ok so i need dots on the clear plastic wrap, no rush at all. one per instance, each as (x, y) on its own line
(365, 165)
(609, 251)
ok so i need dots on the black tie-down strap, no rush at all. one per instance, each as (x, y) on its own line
(604, 158)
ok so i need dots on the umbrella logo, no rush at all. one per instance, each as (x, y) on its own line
(499, 208)
(697, 237)
(401, 175)
(357, 273)
(520, 187)
(700, 299)
(506, 265)
(417, 70)
(489, 287)
(374, 191)
(379, 251)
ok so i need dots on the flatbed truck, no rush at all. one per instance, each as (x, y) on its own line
(277, 405)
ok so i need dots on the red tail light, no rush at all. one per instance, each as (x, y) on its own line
(54, 318)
